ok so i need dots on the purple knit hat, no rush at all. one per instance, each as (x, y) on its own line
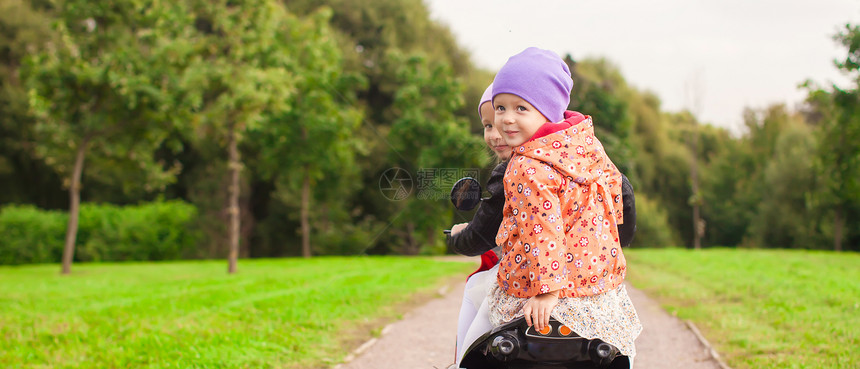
(539, 77)
(487, 96)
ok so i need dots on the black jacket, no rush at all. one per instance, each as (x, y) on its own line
(480, 235)
(627, 229)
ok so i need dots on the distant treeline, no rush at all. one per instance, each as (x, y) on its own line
(285, 124)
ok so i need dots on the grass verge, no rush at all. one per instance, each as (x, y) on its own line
(279, 313)
(761, 308)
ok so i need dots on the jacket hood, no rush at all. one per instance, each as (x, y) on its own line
(571, 147)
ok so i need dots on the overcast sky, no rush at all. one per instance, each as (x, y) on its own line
(738, 52)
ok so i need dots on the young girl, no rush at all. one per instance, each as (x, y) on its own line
(478, 237)
(561, 252)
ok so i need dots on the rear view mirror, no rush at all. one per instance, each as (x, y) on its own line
(466, 194)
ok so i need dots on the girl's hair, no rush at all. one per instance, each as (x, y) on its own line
(495, 159)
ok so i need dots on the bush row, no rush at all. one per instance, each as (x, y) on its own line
(153, 231)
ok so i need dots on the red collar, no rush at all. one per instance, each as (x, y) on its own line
(571, 118)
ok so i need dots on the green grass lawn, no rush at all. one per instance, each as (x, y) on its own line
(286, 313)
(761, 308)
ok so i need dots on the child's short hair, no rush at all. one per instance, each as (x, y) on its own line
(540, 77)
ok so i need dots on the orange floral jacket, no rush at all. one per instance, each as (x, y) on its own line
(562, 207)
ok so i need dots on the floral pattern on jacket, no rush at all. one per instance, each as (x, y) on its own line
(562, 207)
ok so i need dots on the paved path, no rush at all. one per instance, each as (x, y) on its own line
(425, 338)
(666, 342)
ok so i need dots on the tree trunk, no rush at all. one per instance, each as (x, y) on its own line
(306, 199)
(839, 223)
(412, 247)
(248, 224)
(431, 237)
(74, 208)
(698, 227)
(233, 208)
(694, 179)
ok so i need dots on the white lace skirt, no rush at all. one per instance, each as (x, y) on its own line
(609, 316)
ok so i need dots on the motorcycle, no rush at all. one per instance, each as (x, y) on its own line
(516, 345)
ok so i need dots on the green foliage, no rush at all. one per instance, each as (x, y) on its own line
(318, 129)
(734, 186)
(23, 177)
(655, 145)
(600, 91)
(154, 231)
(837, 163)
(423, 110)
(317, 137)
(336, 92)
(730, 193)
(106, 85)
(273, 314)
(370, 33)
(760, 308)
(426, 139)
(652, 224)
(31, 235)
(236, 69)
(789, 179)
(250, 68)
(344, 238)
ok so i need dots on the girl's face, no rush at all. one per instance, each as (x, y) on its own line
(516, 119)
(491, 134)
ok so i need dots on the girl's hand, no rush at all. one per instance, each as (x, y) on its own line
(458, 227)
(537, 309)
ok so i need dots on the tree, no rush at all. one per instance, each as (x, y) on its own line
(237, 75)
(104, 88)
(838, 159)
(693, 91)
(729, 190)
(600, 91)
(368, 32)
(315, 138)
(24, 178)
(783, 215)
(428, 141)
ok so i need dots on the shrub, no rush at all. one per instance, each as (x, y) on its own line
(652, 225)
(151, 231)
(29, 235)
(346, 238)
